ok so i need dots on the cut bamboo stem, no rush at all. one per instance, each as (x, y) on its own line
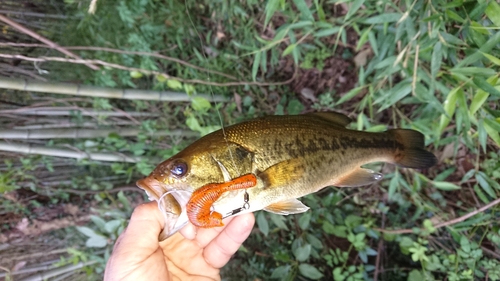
(92, 91)
(65, 111)
(63, 133)
(58, 271)
(66, 152)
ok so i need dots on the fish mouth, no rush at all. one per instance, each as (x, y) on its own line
(171, 203)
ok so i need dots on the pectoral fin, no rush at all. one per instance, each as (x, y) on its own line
(358, 178)
(282, 174)
(291, 206)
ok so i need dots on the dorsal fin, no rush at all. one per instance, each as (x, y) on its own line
(333, 117)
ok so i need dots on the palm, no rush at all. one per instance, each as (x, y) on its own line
(138, 255)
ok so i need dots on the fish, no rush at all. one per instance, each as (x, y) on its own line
(290, 156)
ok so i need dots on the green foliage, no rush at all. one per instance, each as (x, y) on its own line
(433, 67)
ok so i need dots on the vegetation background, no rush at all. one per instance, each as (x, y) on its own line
(70, 155)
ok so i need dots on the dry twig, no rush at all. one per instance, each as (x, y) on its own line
(145, 71)
(43, 39)
(446, 223)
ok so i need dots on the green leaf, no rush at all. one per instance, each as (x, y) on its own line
(136, 74)
(383, 18)
(304, 220)
(486, 48)
(321, 12)
(305, 12)
(310, 271)
(493, 124)
(356, 4)
(485, 185)
(280, 272)
(493, 59)
(480, 194)
(302, 253)
(327, 32)
(416, 275)
(397, 93)
(86, 231)
(278, 220)
(446, 186)
(491, 131)
(101, 224)
(174, 84)
(437, 56)
(338, 230)
(294, 107)
(473, 71)
(112, 226)
(96, 242)
(200, 104)
(289, 49)
(449, 107)
(255, 65)
(349, 95)
(479, 98)
(124, 200)
(262, 223)
(271, 7)
(485, 86)
(493, 12)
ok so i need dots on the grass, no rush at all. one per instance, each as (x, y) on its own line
(427, 65)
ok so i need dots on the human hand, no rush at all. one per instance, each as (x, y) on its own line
(138, 255)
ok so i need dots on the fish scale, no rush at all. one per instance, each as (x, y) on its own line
(290, 156)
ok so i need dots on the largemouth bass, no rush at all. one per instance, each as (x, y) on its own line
(287, 157)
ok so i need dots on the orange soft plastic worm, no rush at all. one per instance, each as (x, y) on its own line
(198, 207)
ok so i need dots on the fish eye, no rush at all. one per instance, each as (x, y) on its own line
(179, 169)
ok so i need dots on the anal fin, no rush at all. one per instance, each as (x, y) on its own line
(358, 177)
(287, 207)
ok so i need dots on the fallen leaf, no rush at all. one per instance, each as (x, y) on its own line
(362, 57)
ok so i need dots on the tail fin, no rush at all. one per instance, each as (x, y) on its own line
(413, 155)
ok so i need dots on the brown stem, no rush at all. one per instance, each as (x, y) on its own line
(145, 71)
(446, 223)
(42, 39)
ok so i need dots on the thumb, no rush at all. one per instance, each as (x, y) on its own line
(141, 234)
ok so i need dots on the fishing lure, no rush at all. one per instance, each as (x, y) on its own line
(199, 205)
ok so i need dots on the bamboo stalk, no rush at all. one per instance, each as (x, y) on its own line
(66, 152)
(32, 14)
(68, 125)
(58, 271)
(92, 91)
(63, 133)
(67, 111)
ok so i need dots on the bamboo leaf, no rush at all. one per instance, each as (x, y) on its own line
(437, 55)
(271, 7)
(485, 86)
(493, 12)
(493, 59)
(289, 49)
(255, 65)
(486, 48)
(449, 107)
(485, 185)
(383, 18)
(356, 4)
(446, 186)
(493, 133)
(305, 12)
